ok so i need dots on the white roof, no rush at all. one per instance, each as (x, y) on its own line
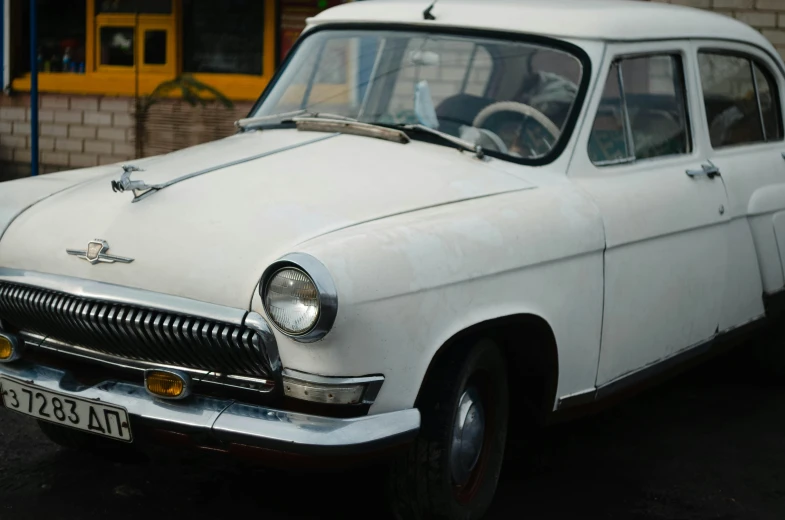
(621, 20)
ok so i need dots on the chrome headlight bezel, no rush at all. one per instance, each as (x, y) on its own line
(325, 287)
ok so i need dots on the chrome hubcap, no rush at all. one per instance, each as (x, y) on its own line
(467, 436)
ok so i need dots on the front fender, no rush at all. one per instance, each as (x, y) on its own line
(19, 195)
(407, 284)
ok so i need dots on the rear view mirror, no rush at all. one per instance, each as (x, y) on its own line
(424, 58)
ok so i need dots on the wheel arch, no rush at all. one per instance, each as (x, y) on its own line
(529, 346)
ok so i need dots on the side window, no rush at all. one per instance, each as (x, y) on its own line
(742, 105)
(769, 103)
(643, 112)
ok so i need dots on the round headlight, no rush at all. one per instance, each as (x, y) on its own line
(292, 301)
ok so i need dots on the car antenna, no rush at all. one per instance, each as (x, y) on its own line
(426, 15)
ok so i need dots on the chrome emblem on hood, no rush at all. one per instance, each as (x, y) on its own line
(96, 253)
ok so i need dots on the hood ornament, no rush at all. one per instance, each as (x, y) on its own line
(96, 253)
(142, 190)
(125, 183)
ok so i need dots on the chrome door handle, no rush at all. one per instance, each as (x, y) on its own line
(707, 170)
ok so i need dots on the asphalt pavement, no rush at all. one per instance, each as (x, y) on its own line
(709, 444)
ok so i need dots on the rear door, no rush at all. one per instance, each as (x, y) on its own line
(741, 93)
(664, 210)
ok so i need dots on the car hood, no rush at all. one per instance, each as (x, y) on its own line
(210, 237)
(19, 195)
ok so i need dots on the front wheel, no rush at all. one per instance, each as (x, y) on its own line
(451, 470)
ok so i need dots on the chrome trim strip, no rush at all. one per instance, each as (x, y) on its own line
(59, 347)
(328, 294)
(37, 341)
(112, 293)
(256, 322)
(576, 399)
(333, 381)
(373, 384)
(302, 433)
(228, 421)
(142, 191)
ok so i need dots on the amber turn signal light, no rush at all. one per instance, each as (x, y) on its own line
(169, 384)
(9, 348)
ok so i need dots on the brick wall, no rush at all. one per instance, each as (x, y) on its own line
(768, 16)
(171, 125)
(81, 131)
(74, 131)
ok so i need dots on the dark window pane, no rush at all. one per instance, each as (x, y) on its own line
(770, 104)
(654, 92)
(155, 47)
(656, 111)
(117, 46)
(61, 34)
(223, 37)
(608, 143)
(729, 94)
(133, 6)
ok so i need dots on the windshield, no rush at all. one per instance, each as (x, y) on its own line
(511, 98)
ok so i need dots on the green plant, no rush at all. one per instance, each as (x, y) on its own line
(190, 89)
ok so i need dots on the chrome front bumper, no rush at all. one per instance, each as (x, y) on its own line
(228, 422)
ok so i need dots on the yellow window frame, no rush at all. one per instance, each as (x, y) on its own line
(170, 65)
(120, 81)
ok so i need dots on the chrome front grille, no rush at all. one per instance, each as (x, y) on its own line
(136, 333)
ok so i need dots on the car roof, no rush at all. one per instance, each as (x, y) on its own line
(609, 20)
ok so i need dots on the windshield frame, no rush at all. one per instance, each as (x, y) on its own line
(579, 53)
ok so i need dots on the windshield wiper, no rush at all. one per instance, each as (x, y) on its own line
(347, 125)
(251, 123)
(468, 146)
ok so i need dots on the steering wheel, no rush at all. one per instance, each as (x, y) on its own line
(523, 109)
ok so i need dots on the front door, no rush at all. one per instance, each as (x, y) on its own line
(664, 209)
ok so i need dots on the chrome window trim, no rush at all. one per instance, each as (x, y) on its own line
(757, 58)
(757, 99)
(119, 294)
(328, 294)
(629, 139)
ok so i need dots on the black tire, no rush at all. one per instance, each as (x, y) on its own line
(88, 443)
(421, 484)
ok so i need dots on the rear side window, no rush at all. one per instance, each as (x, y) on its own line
(643, 112)
(741, 98)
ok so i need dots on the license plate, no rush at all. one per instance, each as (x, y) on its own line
(82, 414)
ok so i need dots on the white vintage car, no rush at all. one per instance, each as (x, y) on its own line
(440, 222)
